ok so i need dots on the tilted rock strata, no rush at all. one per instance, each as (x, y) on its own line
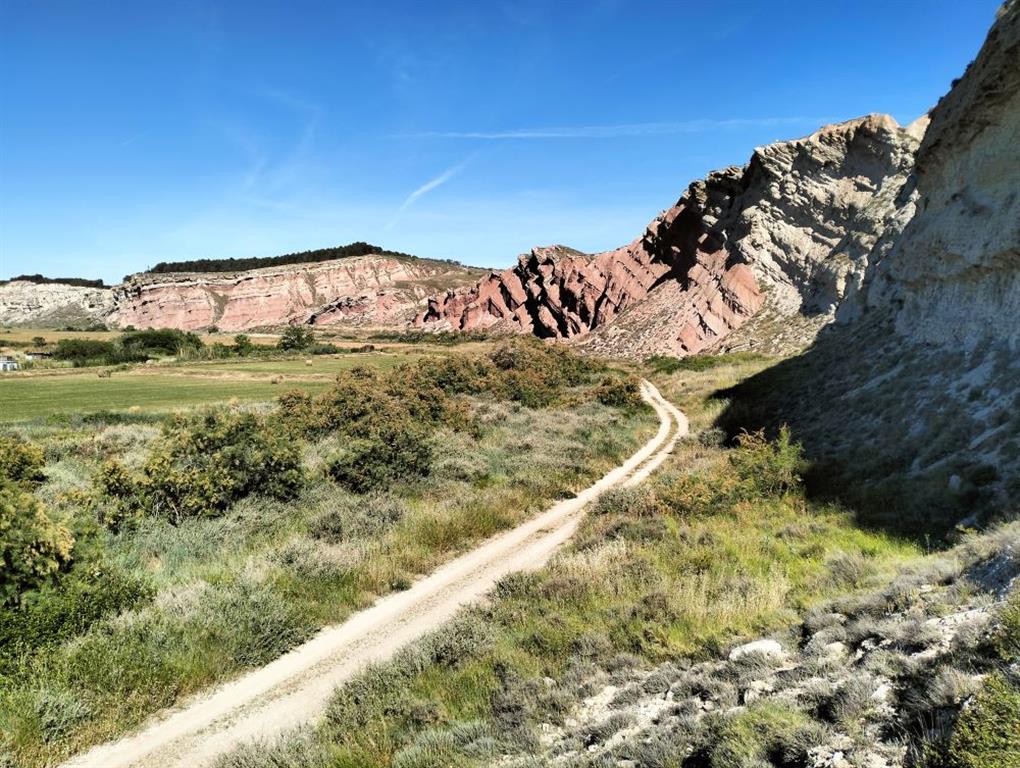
(796, 224)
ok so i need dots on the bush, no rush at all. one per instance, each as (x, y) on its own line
(987, 734)
(20, 461)
(534, 374)
(158, 342)
(620, 393)
(82, 352)
(60, 611)
(296, 337)
(202, 463)
(33, 546)
(1007, 636)
(770, 468)
(697, 363)
(323, 349)
(396, 451)
(766, 734)
(354, 405)
(243, 344)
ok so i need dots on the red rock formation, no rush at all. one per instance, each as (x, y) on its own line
(561, 293)
(376, 290)
(795, 223)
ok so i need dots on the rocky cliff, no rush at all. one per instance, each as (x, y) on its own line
(791, 230)
(362, 290)
(47, 305)
(953, 275)
(371, 290)
(911, 401)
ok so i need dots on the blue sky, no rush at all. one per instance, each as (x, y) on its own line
(137, 132)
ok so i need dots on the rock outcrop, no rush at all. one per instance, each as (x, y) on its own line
(791, 229)
(922, 366)
(373, 290)
(953, 275)
(363, 290)
(52, 304)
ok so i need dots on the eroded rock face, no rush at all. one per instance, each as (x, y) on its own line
(953, 275)
(795, 225)
(370, 290)
(52, 304)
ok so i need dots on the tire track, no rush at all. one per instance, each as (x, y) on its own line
(296, 688)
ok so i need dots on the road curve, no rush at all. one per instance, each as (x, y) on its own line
(295, 688)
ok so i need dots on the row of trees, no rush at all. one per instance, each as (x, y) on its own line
(79, 282)
(304, 257)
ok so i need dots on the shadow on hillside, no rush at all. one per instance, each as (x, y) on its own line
(882, 438)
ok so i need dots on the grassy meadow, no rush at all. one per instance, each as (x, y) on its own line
(166, 387)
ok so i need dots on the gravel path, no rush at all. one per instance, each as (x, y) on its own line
(295, 688)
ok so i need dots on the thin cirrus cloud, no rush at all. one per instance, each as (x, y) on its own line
(629, 129)
(425, 188)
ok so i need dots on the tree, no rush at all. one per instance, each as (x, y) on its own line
(242, 344)
(38, 341)
(296, 337)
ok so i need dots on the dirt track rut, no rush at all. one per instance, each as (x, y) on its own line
(295, 688)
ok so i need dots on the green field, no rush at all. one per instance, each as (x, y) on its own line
(33, 397)
(304, 367)
(163, 388)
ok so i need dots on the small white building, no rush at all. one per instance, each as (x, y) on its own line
(8, 363)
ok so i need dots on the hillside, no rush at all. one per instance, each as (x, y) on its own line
(356, 290)
(350, 285)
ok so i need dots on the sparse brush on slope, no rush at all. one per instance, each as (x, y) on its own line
(684, 566)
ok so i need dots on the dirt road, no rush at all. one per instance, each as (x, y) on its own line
(295, 688)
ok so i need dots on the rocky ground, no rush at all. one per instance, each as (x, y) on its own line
(868, 682)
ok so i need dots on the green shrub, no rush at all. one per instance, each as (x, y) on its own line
(204, 462)
(1007, 637)
(353, 406)
(243, 344)
(323, 349)
(620, 393)
(159, 342)
(534, 373)
(364, 402)
(765, 734)
(33, 546)
(61, 610)
(296, 337)
(82, 352)
(456, 374)
(398, 450)
(697, 363)
(769, 467)
(987, 734)
(20, 461)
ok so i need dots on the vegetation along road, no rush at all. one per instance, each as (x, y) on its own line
(296, 687)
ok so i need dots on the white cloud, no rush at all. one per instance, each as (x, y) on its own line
(424, 189)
